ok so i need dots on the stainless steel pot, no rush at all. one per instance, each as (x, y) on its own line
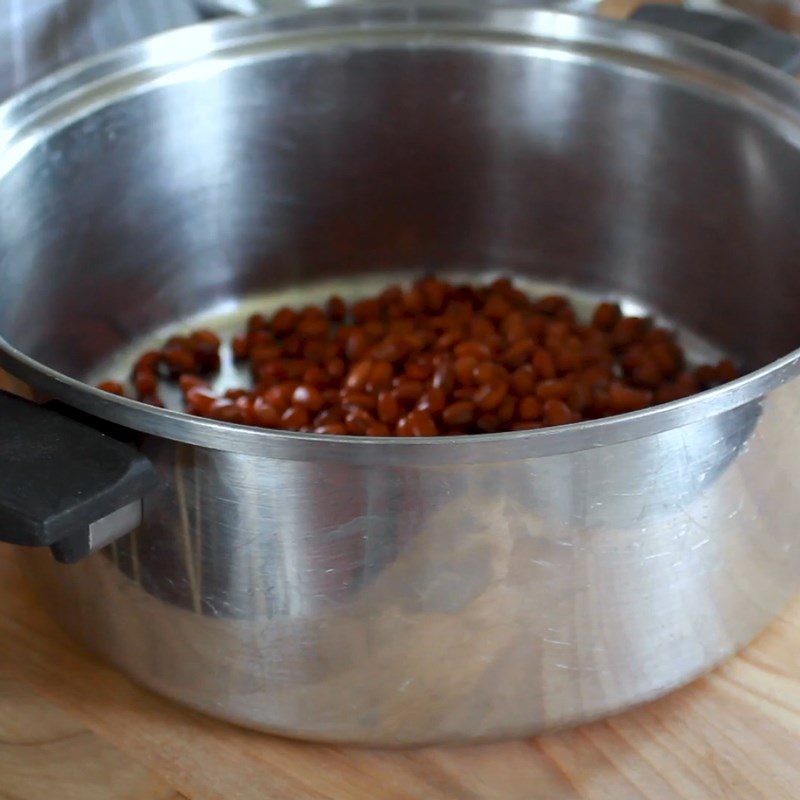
(405, 591)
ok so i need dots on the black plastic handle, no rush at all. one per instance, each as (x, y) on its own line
(755, 39)
(62, 482)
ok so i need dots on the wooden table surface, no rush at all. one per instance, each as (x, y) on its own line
(72, 728)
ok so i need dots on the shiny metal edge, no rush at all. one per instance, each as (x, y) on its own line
(687, 58)
(430, 451)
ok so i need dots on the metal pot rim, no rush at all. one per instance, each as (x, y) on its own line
(76, 91)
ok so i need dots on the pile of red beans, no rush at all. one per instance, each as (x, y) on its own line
(432, 359)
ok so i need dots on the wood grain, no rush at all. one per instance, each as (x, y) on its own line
(46, 753)
(734, 734)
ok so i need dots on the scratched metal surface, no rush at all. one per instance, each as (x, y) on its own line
(425, 604)
(39, 36)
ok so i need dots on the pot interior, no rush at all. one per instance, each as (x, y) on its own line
(248, 176)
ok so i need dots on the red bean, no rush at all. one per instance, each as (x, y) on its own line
(245, 404)
(112, 387)
(433, 401)
(295, 417)
(726, 371)
(337, 309)
(647, 373)
(464, 369)
(187, 382)
(366, 310)
(433, 294)
(530, 408)
(421, 423)
(363, 400)
(392, 348)
(667, 356)
(240, 347)
(226, 411)
(523, 381)
(149, 361)
(484, 372)
(180, 360)
(579, 397)
(488, 423)
(329, 416)
(628, 330)
(359, 375)
(472, 349)
(480, 330)
(146, 382)
(280, 396)
(506, 411)
(526, 426)
(284, 321)
(557, 412)
(205, 340)
(543, 364)
(358, 421)
(519, 352)
(263, 353)
(490, 395)
(409, 391)
(606, 316)
(391, 296)
(388, 408)
(257, 322)
(200, 399)
(356, 345)
(496, 307)
(313, 326)
(335, 428)
(336, 368)
(459, 413)
(419, 370)
(668, 392)
(309, 397)
(448, 339)
(317, 377)
(470, 359)
(264, 414)
(403, 427)
(623, 398)
(551, 305)
(380, 376)
(559, 388)
(514, 328)
(444, 377)
(567, 359)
